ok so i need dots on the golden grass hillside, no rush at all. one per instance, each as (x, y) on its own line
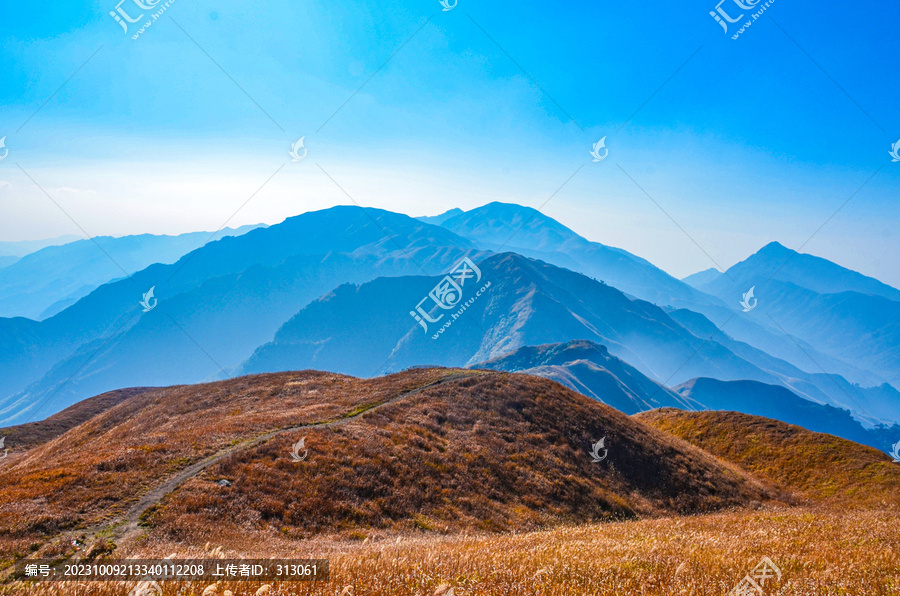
(489, 451)
(434, 479)
(820, 553)
(434, 450)
(99, 468)
(818, 467)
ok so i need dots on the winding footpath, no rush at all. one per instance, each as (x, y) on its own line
(126, 526)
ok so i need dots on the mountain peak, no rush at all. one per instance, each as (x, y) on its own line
(775, 248)
(441, 218)
(500, 224)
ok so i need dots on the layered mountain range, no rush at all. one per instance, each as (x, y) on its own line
(846, 315)
(366, 292)
(265, 460)
(42, 283)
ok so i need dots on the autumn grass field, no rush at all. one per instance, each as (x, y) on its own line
(444, 482)
(819, 552)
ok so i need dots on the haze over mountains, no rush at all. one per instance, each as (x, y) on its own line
(10, 252)
(502, 226)
(216, 305)
(25, 247)
(40, 284)
(590, 369)
(846, 315)
(335, 290)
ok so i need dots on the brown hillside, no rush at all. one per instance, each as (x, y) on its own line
(820, 467)
(31, 434)
(488, 451)
(434, 449)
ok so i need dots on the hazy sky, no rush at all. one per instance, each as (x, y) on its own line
(414, 109)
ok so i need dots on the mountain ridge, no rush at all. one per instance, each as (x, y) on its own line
(384, 453)
(45, 282)
(248, 285)
(589, 368)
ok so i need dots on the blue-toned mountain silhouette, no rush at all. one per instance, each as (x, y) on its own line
(215, 306)
(366, 330)
(844, 314)
(26, 247)
(504, 226)
(590, 369)
(508, 227)
(45, 282)
(334, 290)
(702, 278)
(11, 252)
(770, 401)
(871, 404)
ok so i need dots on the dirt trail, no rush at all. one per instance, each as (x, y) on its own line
(126, 526)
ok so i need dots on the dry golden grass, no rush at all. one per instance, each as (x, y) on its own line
(816, 467)
(820, 552)
(434, 449)
(100, 467)
(472, 480)
(494, 452)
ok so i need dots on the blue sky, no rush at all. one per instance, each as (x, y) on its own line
(740, 142)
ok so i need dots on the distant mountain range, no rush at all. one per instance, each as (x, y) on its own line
(844, 314)
(25, 247)
(11, 252)
(503, 227)
(364, 330)
(365, 291)
(50, 279)
(508, 227)
(215, 306)
(779, 403)
(590, 369)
